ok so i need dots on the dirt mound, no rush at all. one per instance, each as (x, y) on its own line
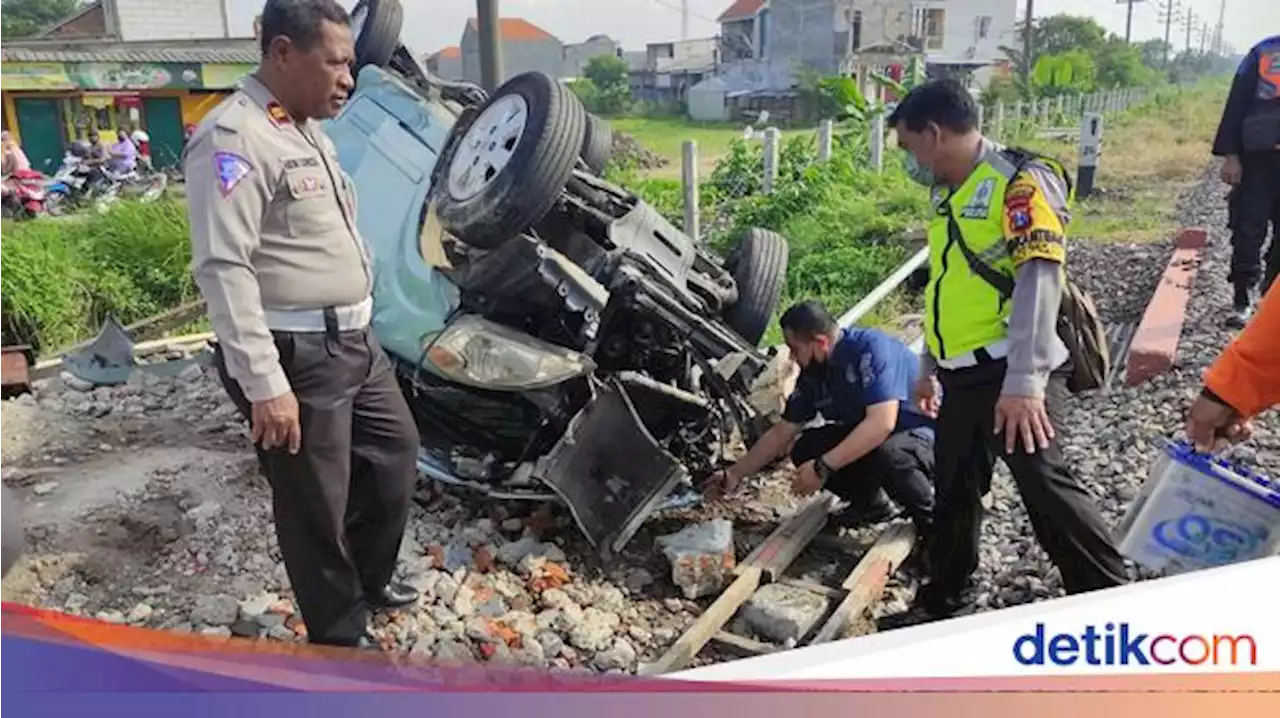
(628, 152)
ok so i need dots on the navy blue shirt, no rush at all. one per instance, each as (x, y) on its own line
(866, 367)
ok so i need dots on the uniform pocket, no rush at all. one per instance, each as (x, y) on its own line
(312, 204)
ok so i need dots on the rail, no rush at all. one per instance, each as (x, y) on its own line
(884, 289)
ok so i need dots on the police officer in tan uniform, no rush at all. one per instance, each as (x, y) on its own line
(284, 271)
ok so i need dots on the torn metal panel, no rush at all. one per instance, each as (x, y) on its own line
(108, 360)
(609, 469)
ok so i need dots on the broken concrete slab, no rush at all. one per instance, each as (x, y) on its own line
(701, 557)
(784, 613)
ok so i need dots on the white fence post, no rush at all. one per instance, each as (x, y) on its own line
(877, 142)
(825, 131)
(982, 116)
(689, 175)
(770, 158)
(999, 121)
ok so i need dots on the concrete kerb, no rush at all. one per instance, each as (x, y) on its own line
(1155, 342)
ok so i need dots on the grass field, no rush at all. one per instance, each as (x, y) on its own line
(666, 136)
(1149, 157)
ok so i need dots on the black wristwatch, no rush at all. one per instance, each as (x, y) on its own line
(824, 471)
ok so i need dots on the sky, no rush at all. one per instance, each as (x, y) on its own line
(432, 24)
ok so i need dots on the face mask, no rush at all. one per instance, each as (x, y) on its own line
(919, 173)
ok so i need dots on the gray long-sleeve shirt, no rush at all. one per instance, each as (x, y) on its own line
(1035, 348)
(272, 227)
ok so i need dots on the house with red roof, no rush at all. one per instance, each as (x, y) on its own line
(744, 30)
(446, 63)
(525, 47)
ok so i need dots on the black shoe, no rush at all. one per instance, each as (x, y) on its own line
(932, 605)
(394, 595)
(1241, 307)
(877, 513)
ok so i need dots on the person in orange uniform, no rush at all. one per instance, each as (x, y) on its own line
(1242, 382)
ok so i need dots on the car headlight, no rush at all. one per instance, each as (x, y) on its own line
(483, 354)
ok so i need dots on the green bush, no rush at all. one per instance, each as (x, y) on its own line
(61, 279)
(842, 220)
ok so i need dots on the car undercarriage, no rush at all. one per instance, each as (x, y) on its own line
(593, 353)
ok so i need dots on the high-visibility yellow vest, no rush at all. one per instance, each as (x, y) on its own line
(963, 312)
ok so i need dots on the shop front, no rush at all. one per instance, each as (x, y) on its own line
(48, 105)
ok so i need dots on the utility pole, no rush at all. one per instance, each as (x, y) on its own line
(1217, 31)
(1169, 10)
(684, 19)
(1028, 60)
(1128, 19)
(490, 44)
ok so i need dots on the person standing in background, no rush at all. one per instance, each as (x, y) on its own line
(15, 160)
(1248, 140)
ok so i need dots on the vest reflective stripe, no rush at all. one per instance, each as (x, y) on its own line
(962, 311)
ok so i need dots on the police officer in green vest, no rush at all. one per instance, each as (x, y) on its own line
(995, 369)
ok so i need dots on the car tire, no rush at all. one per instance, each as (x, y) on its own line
(512, 192)
(379, 31)
(597, 144)
(758, 265)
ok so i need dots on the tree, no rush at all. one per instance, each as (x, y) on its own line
(24, 18)
(605, 86)
(1058, 34)
(1065, 73)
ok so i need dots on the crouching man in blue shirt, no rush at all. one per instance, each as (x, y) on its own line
(876, 441)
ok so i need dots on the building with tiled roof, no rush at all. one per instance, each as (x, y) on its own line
(525, 47)
(446, 63)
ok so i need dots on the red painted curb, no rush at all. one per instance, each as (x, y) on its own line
(1155, 342)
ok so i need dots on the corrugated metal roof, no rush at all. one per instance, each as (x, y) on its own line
(238, 52)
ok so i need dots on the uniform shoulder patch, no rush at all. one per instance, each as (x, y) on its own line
(231, 168)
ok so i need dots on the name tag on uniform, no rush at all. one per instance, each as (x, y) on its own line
(300, 162)
(980, 206)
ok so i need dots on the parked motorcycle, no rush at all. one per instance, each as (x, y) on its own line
(68, 185)
(24, 195)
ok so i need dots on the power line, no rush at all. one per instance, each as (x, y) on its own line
(684, 10)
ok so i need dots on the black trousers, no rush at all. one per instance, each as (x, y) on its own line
(342, 502)
(1063, 516)
(902, 466)
(1252, 206)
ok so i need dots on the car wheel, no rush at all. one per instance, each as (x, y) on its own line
(376, 25)
(758, 265)
(597, 144)
(512, 161)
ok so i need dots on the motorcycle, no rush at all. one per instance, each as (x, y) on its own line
(24, 195)
(113, 186)
(68, 185)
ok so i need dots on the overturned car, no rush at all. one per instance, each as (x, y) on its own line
(556, 337)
